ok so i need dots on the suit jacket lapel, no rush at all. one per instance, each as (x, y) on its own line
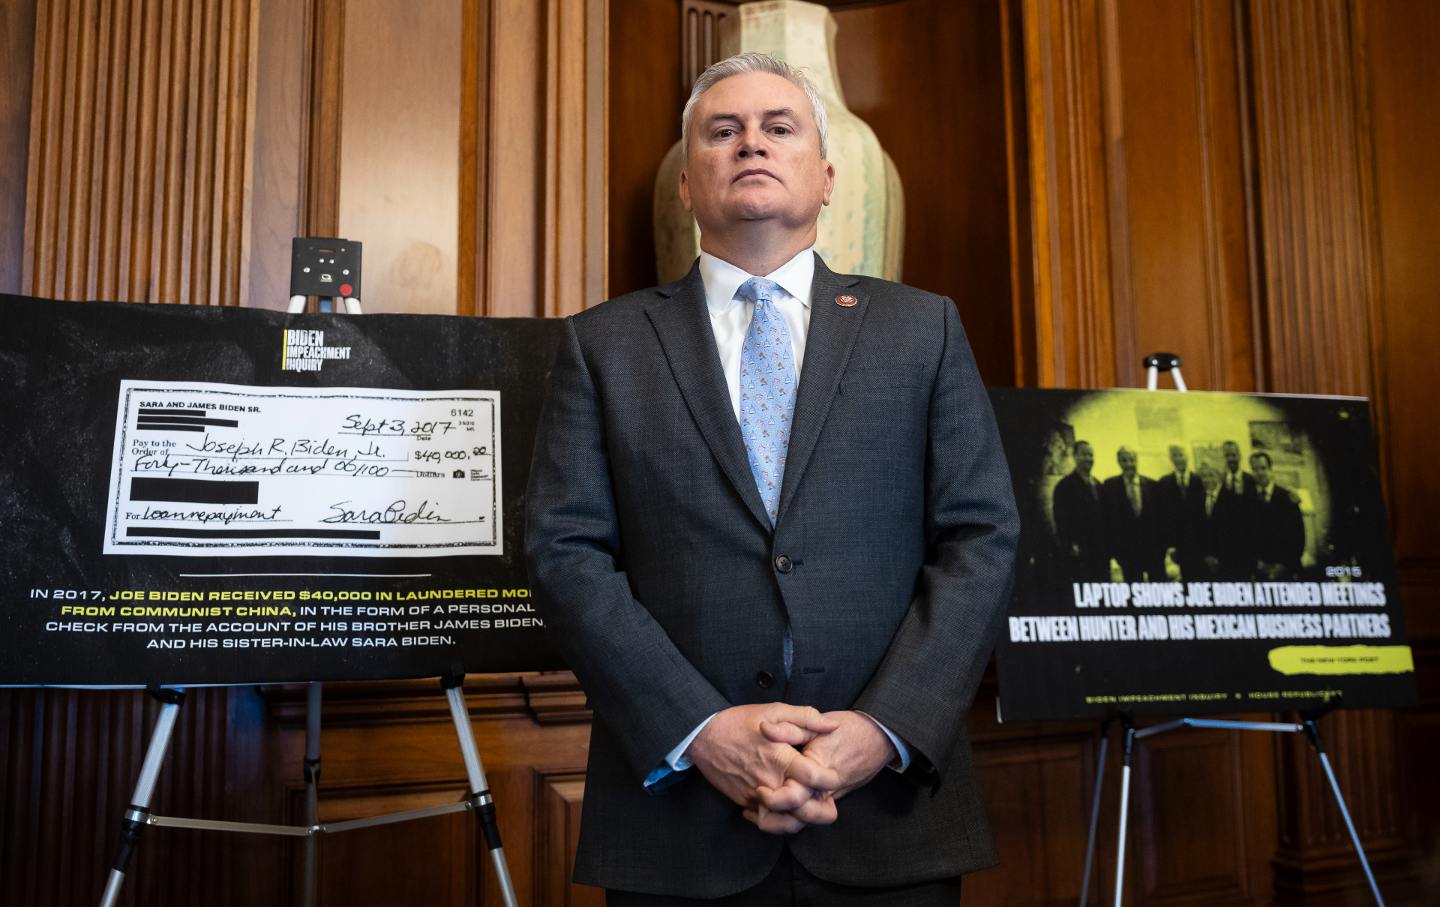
(827, 349)
(682, 323)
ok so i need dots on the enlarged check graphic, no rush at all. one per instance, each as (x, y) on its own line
(206, 469)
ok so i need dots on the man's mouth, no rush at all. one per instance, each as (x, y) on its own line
(755, 172)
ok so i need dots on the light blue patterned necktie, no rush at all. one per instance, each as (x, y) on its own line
(767, 390)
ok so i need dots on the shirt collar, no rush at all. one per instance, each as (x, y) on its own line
(722, 279)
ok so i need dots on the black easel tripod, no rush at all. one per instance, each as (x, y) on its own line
(1308, 725)
(138, 816)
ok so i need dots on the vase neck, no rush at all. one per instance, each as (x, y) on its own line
(802, 34)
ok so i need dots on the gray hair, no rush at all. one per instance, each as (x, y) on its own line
(754, 62)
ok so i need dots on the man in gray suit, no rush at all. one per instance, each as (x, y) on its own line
(771, 528)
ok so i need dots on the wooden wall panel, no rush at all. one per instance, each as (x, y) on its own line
(68, 764)
(896, 63)
(1138, 193)
(477, 35)
(1182, 281)
(277, 164)
(700, 36)
(556, 840)
(1037, 787)
(574, 154)
(1315, 223)
(391, 746)
(429, 862)
(1073, 339)
(400, 150)
(545, 201)
(1404, 88)
(517, 184)
(17, 45)
(462, 141)
(139, 172)
(1394, 43)
(1191, 823)
(1318, 237)
(645, 98)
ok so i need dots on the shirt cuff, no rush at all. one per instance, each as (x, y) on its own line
(676, 760)
(901, 762)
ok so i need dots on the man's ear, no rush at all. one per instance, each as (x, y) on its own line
(829, 182)
(685, 191)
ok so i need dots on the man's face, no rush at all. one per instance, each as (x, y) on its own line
(1178, 459)
(1126, 459)
(754, 155)
(1232, 456)
(1211, 478)
(1261, 470)
(1084, 458)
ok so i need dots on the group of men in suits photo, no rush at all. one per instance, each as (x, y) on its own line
(1213, 523)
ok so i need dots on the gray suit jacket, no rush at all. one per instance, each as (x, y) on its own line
(663, 583)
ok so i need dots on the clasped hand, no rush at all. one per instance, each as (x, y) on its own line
(786, 765)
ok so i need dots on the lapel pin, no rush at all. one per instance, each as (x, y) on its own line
(845, 301)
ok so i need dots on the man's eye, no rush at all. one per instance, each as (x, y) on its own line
(781, 130)
(724, 133)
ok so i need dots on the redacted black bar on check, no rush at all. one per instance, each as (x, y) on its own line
(167, 532)
(194, 491)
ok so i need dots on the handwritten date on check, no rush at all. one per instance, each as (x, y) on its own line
(203, 469)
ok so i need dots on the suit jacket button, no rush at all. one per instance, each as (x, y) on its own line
(763, 679)
(784, 564)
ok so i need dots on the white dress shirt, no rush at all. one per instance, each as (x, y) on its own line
(730, 317)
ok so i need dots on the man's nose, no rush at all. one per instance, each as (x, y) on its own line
(753, 143)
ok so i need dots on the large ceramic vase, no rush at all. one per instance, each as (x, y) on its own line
(862, 230)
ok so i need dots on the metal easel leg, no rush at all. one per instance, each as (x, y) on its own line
(1312, 731)
(139, 811)
(1124, 812)
(481, 800)
(312, 793)
(1095, 809)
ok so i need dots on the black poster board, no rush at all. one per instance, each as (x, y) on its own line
(1162, 602)
(196, 495)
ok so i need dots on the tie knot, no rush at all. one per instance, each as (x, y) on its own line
(757, 290)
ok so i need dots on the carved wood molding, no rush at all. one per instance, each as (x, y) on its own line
(1074, 337)
(324, 92)
(1318, 241)
(1420, 590)
(1315, 198)
(17, 71)
(559, 796)
(1120, 189)
(575, 232)
(476, 123)
(700, 36)
(547, 698)
(139, 167)
(530, 184)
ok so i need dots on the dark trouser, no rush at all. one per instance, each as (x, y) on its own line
(789, 885)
